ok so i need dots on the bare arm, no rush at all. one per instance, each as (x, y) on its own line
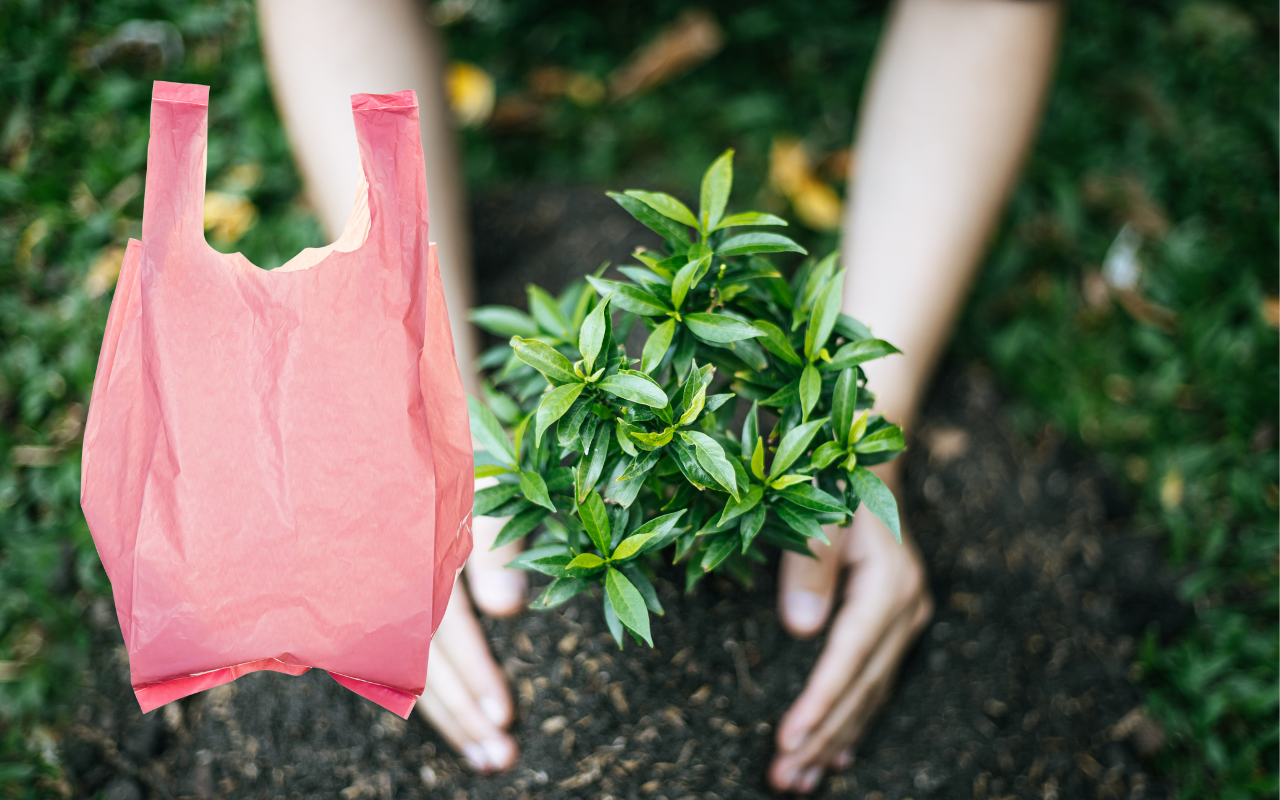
(948, 115)
(320, 52)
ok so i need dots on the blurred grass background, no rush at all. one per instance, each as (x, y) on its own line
(1163, 119)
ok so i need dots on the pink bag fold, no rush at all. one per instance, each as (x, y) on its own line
(277, 465)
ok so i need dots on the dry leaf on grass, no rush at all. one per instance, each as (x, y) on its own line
(471, 94)
(228, 215)
(104, 272)
(689, 41)
(791, 175)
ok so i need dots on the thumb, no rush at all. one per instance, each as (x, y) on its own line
(806, 586)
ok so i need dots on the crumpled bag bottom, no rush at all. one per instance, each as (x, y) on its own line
(152, 696)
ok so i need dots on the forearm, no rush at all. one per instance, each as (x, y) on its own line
(948, 114)
(319, 53)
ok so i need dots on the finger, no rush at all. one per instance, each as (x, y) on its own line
(858, 629)
(462, 641)
(806, 586)
(450, 706)
(498, 591)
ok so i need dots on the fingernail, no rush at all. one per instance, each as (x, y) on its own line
(476, 755)
(809, 780)
(493, 709)
(789, 780)
(804, 609)
(793, 738)
(499, 751)
(499, 587)
(845, 758)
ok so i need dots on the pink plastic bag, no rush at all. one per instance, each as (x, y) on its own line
(277, 464)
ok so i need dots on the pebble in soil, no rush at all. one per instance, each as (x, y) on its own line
(1021, 686)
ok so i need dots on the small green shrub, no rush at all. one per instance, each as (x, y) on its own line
(617, 462)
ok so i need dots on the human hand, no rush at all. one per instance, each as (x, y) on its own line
(886, 605)
(466, 698)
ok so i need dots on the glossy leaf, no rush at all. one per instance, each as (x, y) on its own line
(719, 329)
(519, 525)
(810, 390)
(825, 453)
(757, 460)
(844, 402)
(801, 521)
(595, 519)
(877, 498)
(823, 317)
(793, 445)
(808, 496)
(545, 359)
(751, 431)
(634, 386)
(503, 321)
(664, 226)
(591, 336)
(559, 592)
(666, 205)
(534, 488)
(855, 353)
(656, 346)
(554, 405)
(738, 507)
(775, 341)
(749, 218)
(584, 564)
(628, 604)
(720, 549)
(489, 498)
(712, 458)
(889, 438)
(549, 315)
(687, 278)
(488, 432)
(752, 522)
(748, 243)
(629, 298)
(716, 183)
(630, 546)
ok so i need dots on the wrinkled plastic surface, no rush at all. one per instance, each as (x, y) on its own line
(277, 464)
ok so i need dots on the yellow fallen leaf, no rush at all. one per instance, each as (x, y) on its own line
(791, 174)
(31, 237)
(471, 94)
(1171, 489)
(1271, 312)
(242, 178)
(789, 165)
(228, 215)
(817, 205)
(104, 272)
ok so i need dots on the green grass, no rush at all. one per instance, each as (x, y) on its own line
(1164, 115)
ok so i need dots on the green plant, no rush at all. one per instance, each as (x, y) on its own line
(650, 458)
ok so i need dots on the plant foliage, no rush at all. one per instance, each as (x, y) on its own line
(624, 459)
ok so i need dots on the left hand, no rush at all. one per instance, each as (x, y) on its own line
(886, 605)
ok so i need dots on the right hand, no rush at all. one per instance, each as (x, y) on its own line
(466, 698)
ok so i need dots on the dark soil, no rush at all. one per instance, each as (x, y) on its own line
(1022, 686)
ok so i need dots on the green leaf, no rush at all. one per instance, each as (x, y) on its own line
(534, 488)
(877, 498)
(587, 478)
(801, 521)
(747, 243)
(611, 620)
(629, 298)
(666, 205)
(711, 456)
(757, 460)
(628, 604)
(640, 466)
(716, 400)
(793, 445)
(591, 336)
(718, 551)
(889, 438)
(518, 434)
(548, 313)
(572, 424)
(621, 435)
(775, 341)
(851, 329)
(823, 316)
(784, 397)
(750, 430)
(584, 565)
(545, 359)
(661, 527)
(855, 353)
(503, 321)
(808, 496)
(643, 585)
(751, 525)
(810, 390)
(559, 592)
(555, 566)
(735, 508)
(596, 520)
(553, 406)
(718, 328)
(488, 432)
(656, 346)
(490, 498)
(686, 458)
(630, 546)
(634, 386)
(858, 427)
(844, 402)
(655, 439)
(716, 183)
(687, 278)
(826, 453)
(491, 471)
(749, 218)
(663, 226)
(519, 525)
(783, 481)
